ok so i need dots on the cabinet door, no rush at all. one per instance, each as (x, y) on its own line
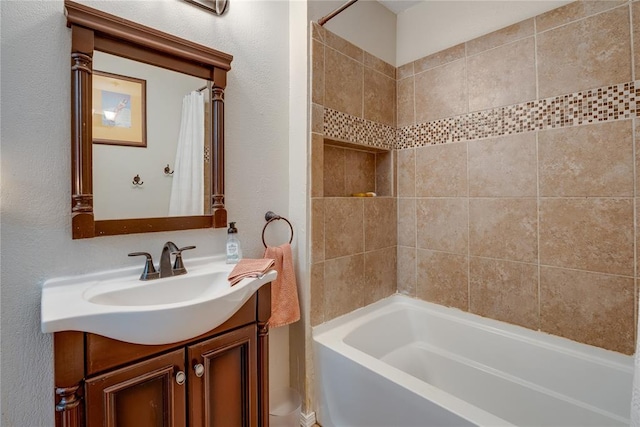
(146, 394)
(223, 380)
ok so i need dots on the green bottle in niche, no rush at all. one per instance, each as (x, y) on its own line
(234, 251)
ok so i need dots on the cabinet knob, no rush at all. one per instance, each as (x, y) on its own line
(199, 370)
(180, 377)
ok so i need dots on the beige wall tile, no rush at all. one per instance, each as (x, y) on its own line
(407, 173)
(587, 234)
(343, 46)
(343, 83)
(406, 110)
(504, 290)
(586, 54)
(360, 172)
(637, 238)
(343, 226)
(442, 224)
(439, 58)
(407, 222)
(407, 271)
(592, 308)
(573, 11)
(502, 76)
(317, 32)
(378, 64)
(380, 275)
(379, 97)
(635, 16)
(405, 70)
(344, 286)
(443, 279)
(594, 160)
(317, 230)
(441, 92)
(317, 118)
(395, 173)
(380, 223)
(317, 85)
(317, 294)
(501, 37)
(636, 131)
(503, 167)
(317, 165)
(334, 171)
(384, 174)
(504, 228)
(441, 170)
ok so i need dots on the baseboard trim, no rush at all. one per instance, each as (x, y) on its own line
(307, 420)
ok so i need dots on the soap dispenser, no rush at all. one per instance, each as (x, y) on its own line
(234, 251)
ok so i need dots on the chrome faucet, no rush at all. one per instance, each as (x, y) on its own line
(165, 267)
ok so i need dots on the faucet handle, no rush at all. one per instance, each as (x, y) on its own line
(149, 271)
(178, 265)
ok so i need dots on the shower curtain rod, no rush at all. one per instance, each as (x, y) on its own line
(326, 19)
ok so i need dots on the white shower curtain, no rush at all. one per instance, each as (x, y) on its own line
(187, 191)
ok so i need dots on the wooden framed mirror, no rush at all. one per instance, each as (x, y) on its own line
(94, 30)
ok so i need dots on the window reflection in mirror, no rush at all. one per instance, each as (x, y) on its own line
(115, 165)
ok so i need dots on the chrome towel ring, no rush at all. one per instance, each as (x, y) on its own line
(270, 217)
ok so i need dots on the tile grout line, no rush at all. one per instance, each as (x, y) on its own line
(535, 55)
(538, 200)
(631, 42)
(531, 263)
(468, 233)
(415, 215)
(635, 183)
(466, 82)
(324, 210)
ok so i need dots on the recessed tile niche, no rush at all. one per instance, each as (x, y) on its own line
(352, 168)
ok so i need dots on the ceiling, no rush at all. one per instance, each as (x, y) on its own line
(397, 6)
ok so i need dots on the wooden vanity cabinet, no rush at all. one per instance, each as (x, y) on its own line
(219, 379)
(143, 394)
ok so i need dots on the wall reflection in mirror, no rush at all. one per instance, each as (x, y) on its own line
(177, 122)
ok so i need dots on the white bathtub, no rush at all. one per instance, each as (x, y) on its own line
(404, 362)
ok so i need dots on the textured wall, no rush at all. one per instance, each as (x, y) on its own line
(36, 236)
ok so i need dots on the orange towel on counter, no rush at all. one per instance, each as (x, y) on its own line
(285, 308)
(249, 268)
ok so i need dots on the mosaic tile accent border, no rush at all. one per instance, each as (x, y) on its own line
(345, 127)
(591, 106)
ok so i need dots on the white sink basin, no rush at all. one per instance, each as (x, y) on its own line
(118, 305)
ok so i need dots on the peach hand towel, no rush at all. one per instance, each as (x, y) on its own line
(285, 308)
(249, 268)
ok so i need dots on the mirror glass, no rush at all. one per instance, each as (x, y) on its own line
(154, 168)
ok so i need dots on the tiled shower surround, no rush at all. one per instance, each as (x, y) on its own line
(514, 171)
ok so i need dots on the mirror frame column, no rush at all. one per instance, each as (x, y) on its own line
(217, 120)
(81, 134)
